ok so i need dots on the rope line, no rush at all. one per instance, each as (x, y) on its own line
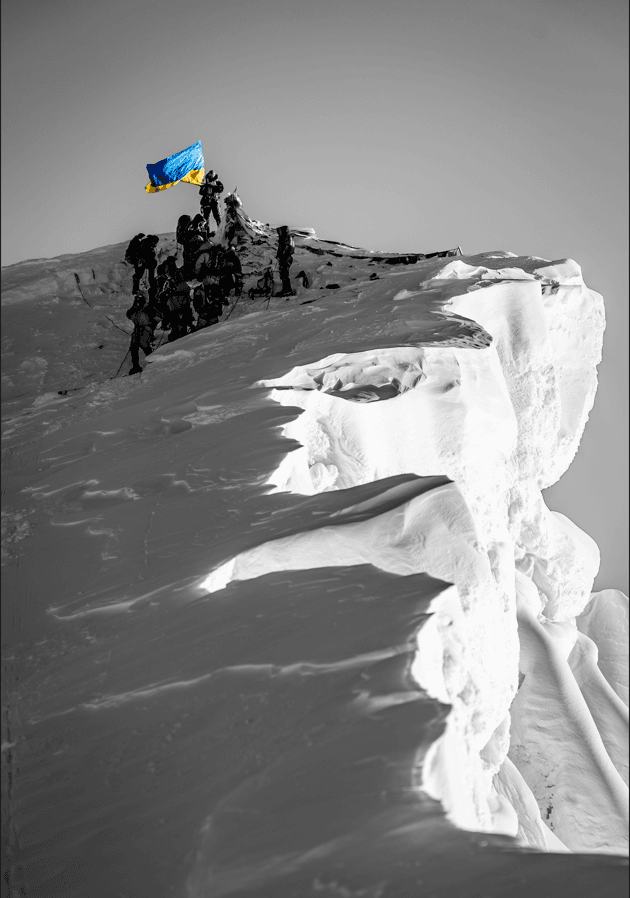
(76, 277)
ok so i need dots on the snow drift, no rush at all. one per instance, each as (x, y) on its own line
(308, 548)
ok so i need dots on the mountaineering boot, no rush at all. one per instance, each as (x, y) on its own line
(135, 370)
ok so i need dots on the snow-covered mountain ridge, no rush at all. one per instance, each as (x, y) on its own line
(311, 541)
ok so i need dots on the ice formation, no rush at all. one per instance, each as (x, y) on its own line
(502, 423)
(311, 543)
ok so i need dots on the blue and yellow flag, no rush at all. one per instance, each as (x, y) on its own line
(186, 165)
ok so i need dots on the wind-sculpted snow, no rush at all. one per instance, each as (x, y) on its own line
(288, 615)
(605, 621)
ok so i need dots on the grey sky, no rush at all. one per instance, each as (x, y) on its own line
(406, 125)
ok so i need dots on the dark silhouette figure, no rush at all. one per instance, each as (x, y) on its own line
(180, 318)
(182, 224)
(209, 260)
(146, 262)
(194, 237)
(284, 254)
(234, 230)
(232, 274)
(168, 277)
(142, 336)
(208, 302)
(132, 253)
(210, 192)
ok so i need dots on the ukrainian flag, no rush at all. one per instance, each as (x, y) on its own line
(186, 165)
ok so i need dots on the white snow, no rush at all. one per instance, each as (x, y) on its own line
(581, 790)
(605, 620)
(311, 541)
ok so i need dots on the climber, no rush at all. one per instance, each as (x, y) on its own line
(206, 262)
(165, 273)
(143, 327)
(200, 305)
(131, 255)
(168, 277)
(232, 275)
(215, 297)
(234, 229)
(210, 192)
(180, 318)
(200, 226)
(284, 254)
(208, 304)
(193, 239)
(135, 256)
(182, 224)
(218, 281)
(146, 261)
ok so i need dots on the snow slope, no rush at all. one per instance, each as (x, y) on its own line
(287, 614)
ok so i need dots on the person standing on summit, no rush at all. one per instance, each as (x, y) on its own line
(210, 191)
(284, 254)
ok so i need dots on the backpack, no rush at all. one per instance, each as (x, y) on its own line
(232, 263)
(286, 246)
(178, 301)
(133, 250)
(146, 250)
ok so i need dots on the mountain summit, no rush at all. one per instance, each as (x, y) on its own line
(286, 614)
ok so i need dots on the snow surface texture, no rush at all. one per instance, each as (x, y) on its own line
(327, 514)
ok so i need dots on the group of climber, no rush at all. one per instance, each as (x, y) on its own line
(208, 274)
(169, 304)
